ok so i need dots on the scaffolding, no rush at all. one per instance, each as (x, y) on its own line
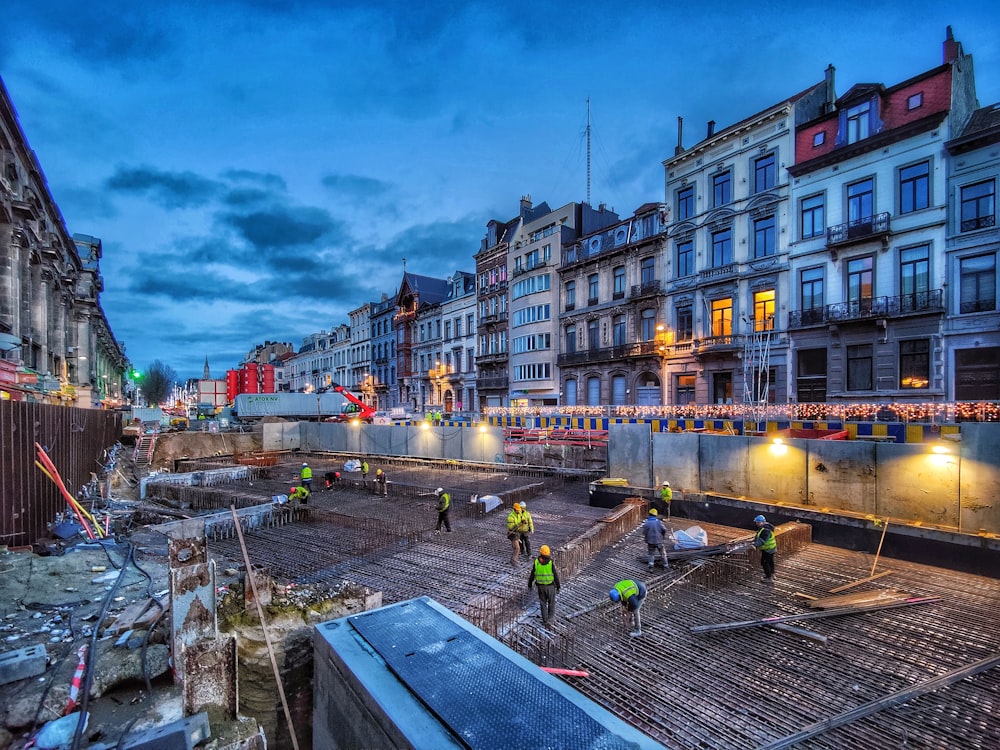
(757, 366)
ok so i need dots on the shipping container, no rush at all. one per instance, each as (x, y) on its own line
(306, 405)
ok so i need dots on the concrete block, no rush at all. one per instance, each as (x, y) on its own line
(182, 734)
(23, 663)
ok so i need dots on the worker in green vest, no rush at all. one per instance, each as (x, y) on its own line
(545, 577)
(666, 495)
(765, 542)
(513, 535)
(631, 595)
(306, 476)
(298, 493)
(444, 503)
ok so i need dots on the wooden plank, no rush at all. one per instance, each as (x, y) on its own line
(126, 620)
(859, 582)
(858, 599)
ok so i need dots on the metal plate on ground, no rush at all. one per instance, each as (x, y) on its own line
(487, 700)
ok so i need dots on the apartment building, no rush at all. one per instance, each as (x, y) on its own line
(361, 364)
(418, 340)
(867, 260)
(383, 373)
(456, 372)
(972, 321)
(727, 220)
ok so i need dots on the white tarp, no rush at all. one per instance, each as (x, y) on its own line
(690, 538)
(492, 502)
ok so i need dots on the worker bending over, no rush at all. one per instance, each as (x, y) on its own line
(298, 493)
(631, 595)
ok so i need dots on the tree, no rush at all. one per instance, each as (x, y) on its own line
(157, 382)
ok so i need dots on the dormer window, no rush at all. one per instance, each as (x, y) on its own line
(858, 118)
(915, 101)
(819, 138)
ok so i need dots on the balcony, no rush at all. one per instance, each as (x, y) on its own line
(495, 383)
(609, 353)
(805, 318)
(716, 344)
(721, 272)
(500, 317)
(886, 307)
(646, 289)
(492, 357)
(979, 222)
(404, 315)
(859, 230)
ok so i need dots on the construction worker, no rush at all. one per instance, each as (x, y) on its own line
(444, 503)
(525, 527)
(299, 493)
(654, 532)
(546, 578)
(330, 477)
(765, 542)
(381, 486)
(666, 495)
(364, 470)
(513, 524)
(306, 476)
(631, 595)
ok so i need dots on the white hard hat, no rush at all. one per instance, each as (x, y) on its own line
(439, 490)
(666, 484)
(304, 463)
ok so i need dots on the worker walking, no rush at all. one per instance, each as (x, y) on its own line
(306, 476)
(545, 577)
(381, 486)
(631, 595)
(765, 542)
(526, 527)
(654, 532)
(299, 493)
(364, 470)
(666, 495)
(513, 525)
(444, 503)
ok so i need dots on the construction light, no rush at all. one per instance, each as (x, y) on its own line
(482, 428)
(425, 426)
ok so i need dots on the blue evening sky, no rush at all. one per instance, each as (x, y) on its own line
(258, 169)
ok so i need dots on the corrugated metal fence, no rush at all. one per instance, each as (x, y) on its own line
(75, 440)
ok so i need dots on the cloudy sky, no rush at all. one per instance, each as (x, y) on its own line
(257, 169)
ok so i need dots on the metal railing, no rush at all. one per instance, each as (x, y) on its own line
(864, 228)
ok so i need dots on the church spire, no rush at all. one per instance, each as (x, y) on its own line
(207, 376)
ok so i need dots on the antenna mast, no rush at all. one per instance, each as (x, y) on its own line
(588, 150)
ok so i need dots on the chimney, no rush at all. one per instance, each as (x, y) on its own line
(830, 98)
(711, 128)
(525, 205)
(680, 135)
(952, 49)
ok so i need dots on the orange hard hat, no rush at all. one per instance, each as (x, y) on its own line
(544, 550)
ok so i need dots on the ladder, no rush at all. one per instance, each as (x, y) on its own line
(144, 445)
(757, 366)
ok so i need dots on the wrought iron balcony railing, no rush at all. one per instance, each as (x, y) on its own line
(858, 230)
(916, 303)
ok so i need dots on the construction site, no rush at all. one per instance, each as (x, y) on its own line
(844, 648)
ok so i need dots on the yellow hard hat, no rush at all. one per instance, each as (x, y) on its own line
(544, 550)
(517, 506)
(653, 512)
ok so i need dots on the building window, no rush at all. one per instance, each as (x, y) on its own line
(810, 385)
(978, 283)
(570, 295)
(764, 173)
(859, 367)
(978, 206)
(819, 138)
(858, 118)
(860, 279)
(593, 391)
(861, 200)
(685, 203)
(685, 389)
(685, 258)
(915, 101)
(811, 290)
(685, 323)
(763, 310)
(619, 281)
(914, 276)
(914, 187)
(722, 248)
(763, 237)
(915, 363)
(592, 288)
(647, 324)
(813, 221)
(618, 330)
(722, 317)
(722, 189)
(593, 335)
(570, 339)
(647, 271)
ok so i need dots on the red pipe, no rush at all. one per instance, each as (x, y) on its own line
(566, 672)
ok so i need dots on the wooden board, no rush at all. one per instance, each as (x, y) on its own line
(858, 599)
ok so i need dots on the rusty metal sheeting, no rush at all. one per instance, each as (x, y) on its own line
(210, 678)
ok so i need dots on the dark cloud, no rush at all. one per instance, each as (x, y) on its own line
(283, 227)
(439, 248)
(357, 186)
(268, 180)
(171, 190)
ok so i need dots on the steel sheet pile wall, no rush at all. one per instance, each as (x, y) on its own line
(76, 441)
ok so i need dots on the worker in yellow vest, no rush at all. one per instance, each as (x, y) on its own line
(765, 542)
(513, 525)
(546, 579)
(306, 476)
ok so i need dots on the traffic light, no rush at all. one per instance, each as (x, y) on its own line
(136, 375)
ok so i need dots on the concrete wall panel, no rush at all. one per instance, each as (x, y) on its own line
(281, 436)
(915, 484)
(777, 472)
(630, 453)
(980, 478)
(724, 464)
(675, 459)
(452, 441)
(380, 440)
(483, 444)
(841, 475)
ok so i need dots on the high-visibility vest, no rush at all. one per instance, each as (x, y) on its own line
(513, 520)
(666, 494)
(307, 473)
(771, 543)
(626, 590)
(544, 573)
(444, 502)
(526, 524)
